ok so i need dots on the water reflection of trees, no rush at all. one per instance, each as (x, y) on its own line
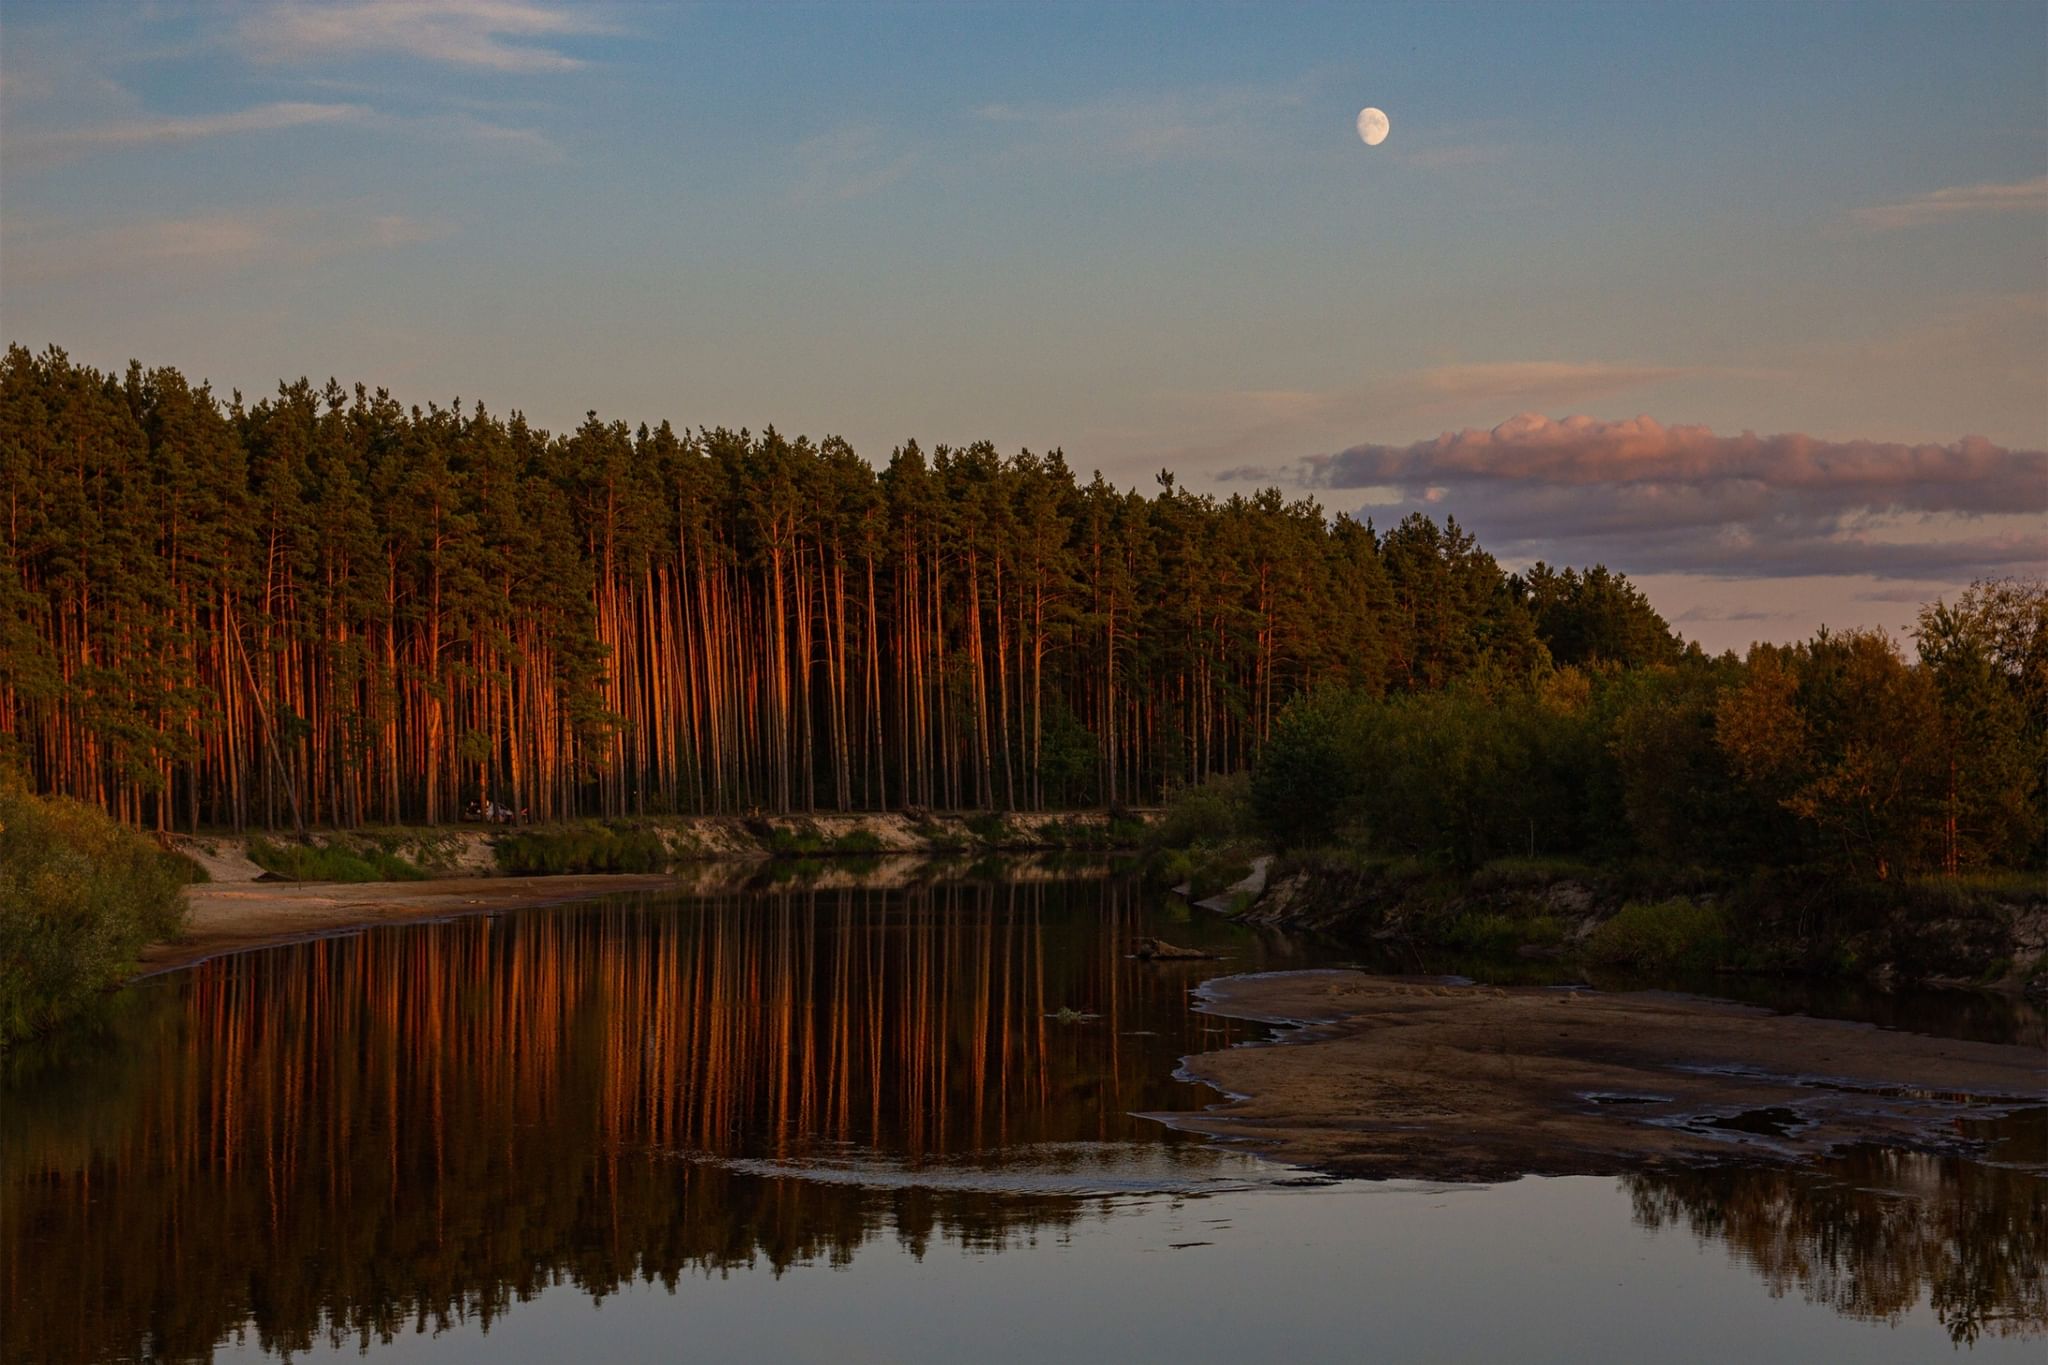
(348, 1137)
(352, 1138)
(1873, 1232)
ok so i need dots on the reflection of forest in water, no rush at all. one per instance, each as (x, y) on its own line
(1874, 1231)
(351, 1134)
(354, 1136)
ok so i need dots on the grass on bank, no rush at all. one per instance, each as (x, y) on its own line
(80, 897)
(807, 841)
(581, 848)
(1668, 935)
(331, 863)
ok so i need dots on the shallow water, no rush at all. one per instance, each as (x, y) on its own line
(791, 1124)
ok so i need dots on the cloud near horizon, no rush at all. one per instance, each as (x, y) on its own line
(846, 163)
(1939, 206)
(202, 245)
(1647, 498)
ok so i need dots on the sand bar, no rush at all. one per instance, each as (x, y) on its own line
(1396, 1078)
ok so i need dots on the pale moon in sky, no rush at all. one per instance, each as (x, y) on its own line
(1372, 126)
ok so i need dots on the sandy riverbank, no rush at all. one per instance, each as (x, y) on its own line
(228, 917)
(233, 915)
(469, 850)
(1395, 1078)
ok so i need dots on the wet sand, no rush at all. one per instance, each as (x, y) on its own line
(227, 917)
(1402, 1079)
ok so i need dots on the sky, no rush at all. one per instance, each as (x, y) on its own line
(1748, 301)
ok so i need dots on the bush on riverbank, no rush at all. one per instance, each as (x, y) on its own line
(1205, 870)
(805, 840)
(331, 863)
(80, 896)
(1668, 935)
(581, 848)
(1217, 810)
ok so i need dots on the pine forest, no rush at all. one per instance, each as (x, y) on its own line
(325, 608)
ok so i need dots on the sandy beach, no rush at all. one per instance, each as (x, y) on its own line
(228, 917)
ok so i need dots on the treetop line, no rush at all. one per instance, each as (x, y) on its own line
(328, 608)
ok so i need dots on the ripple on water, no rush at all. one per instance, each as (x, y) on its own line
(1075, 1170)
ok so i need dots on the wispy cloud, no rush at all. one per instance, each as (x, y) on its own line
(1960, 201)
(499, 35)
(235, 240)
(470, 128)
(1222, 122)
(40, 147)
(170, 129)
(1681, 499)
(847, 163)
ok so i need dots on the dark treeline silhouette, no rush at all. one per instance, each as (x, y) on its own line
(326, 608)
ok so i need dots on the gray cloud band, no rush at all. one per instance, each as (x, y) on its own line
(1654, 499)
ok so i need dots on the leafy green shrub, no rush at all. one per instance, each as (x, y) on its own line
(80, 896)
(1121, 831)
(857, 843)
(1069, 833)
(937, 838)
(1117, 832)
(804, 840)
(1660, 935)
(187, 869)
(1492, 932)
(1214, 811)
(795, 841)
(1482, 933)
(581, 848)
(1171, 867)
(990, 828)
(331, 863)
(1304, 777)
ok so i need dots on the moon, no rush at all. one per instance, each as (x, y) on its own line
(1372, 126)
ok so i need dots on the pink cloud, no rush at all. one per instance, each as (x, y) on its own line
(1970, 474)
(1650, 498)
(1958, 201)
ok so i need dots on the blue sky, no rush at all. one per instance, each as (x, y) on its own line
(1146, 234)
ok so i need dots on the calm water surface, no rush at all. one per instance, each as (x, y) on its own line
(792, 1123)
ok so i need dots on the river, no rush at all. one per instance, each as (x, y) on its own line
(790, 1123)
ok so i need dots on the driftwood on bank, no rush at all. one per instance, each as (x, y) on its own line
(1159, 950)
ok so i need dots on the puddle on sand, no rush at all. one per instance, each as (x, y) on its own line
(1773, 1121)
